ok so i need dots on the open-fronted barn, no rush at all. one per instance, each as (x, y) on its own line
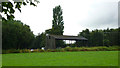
(50, 40)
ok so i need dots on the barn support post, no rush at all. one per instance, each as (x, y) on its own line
(86, 42)
(82, 42)
(54, 46)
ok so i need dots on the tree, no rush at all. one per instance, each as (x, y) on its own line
(119, 36)
(8, 7)
(86, 34)
(16, 35)
(96, 38)
(39, 41)
(111, 35)
(57, 21)
(106, 37)
(57, 24)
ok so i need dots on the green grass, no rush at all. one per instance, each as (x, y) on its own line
(83, 58)
(0, 60)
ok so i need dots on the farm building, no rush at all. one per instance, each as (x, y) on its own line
(50, 40)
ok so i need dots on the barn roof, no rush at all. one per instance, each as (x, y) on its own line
(67, 37)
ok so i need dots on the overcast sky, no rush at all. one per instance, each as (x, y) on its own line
(77, 15)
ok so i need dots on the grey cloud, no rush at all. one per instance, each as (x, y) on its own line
(102, 15)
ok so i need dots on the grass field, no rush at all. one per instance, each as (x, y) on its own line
(83, 58)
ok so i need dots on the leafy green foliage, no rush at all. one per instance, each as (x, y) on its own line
(108, 37)
(57, 25)
(39, 41)
(57, 22)
(10, 51)
(16, 35)
(8, 8)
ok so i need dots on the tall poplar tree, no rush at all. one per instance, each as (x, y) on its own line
(57, 25)
(57, 22)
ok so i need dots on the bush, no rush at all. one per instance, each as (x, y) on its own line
(10, 51)
(59, 50)
(114, 48)
(41, 50)
(36, 50)
(48, 50)
(25, 51)
(15, 51)
(75, 49)
(100, 48)
(68, 49)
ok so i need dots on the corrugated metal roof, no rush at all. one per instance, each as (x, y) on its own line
(67, 37)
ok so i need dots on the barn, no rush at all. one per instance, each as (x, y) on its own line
(50, 40)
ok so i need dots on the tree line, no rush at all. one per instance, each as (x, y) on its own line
(106, 37)
(16, 35)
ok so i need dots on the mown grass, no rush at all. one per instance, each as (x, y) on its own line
(0, 60)
(83, 58)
